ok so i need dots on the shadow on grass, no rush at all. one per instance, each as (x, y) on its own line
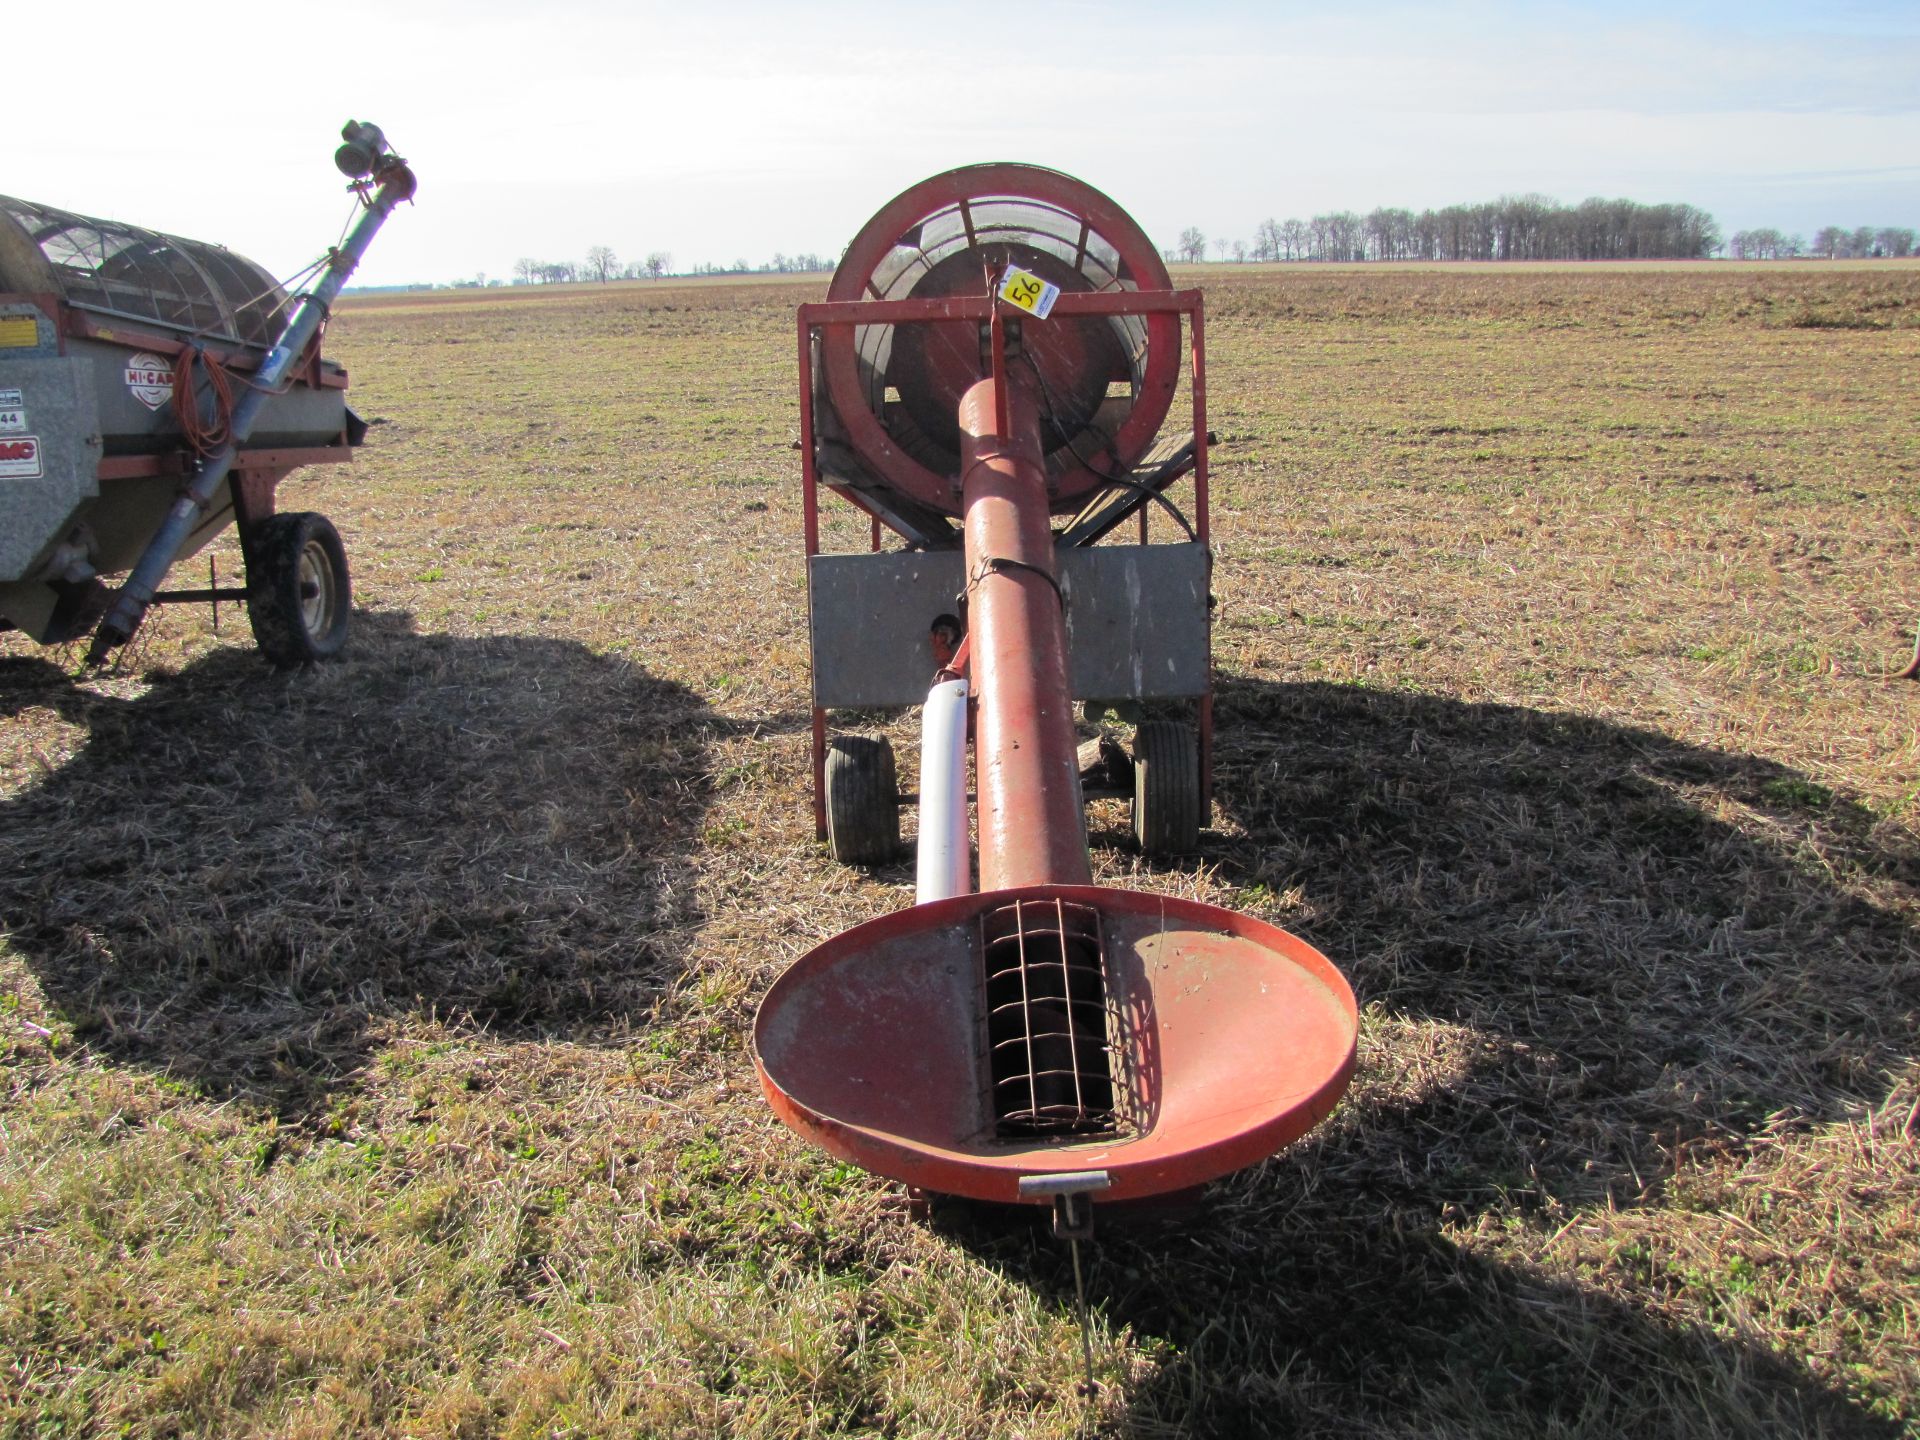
(1659, 945)
(243, 874)
(1585, 950)
(1302, 1311)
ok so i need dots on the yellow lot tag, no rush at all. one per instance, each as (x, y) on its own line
(1029, 292)
(18, 332)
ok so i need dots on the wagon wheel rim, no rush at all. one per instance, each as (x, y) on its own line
(316, 587)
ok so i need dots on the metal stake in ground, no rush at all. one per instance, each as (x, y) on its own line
(1072, 1194)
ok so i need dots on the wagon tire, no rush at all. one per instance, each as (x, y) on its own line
(863, 800)
(299, 597)
(1166, 788)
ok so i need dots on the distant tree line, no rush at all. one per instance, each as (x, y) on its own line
(803, 264)
(603, 265)
(1532, 227)
(1831, 242)
(1514, 227)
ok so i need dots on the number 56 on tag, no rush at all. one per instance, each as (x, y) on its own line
(1029, 292)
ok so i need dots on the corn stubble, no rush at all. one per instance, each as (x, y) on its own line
(374, 1038)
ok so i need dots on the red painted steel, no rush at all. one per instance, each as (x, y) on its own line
(810, 523)
(898, 226)
(1233, 1037)
(1202, 528)
(1213, 1039)
(283, 462)
(980, 307)
(1032, 828)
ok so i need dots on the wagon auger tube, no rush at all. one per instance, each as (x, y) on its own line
(373, 168)
(1031, 831)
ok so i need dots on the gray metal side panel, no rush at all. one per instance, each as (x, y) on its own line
(1136, 623)
(298, 417)
(871, 615)
(59, 418)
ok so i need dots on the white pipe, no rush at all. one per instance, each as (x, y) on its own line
(945, 861)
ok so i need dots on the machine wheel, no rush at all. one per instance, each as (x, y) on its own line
(298, 595)
(863, 800)
(1166, 787)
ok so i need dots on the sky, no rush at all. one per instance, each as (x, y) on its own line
(731, 131)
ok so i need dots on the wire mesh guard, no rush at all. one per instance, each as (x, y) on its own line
(914, 375)
(889, 390)
(136, 274)
(1052, 1034)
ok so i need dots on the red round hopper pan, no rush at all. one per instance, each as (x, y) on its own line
(965, 1044)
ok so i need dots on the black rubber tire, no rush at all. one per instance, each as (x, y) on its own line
(299, 596)
(1166, 788)
(863, 800)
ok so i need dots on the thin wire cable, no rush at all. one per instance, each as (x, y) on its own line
(279, 287)
(300, 277)
(1125, 482)
(1086, 1317)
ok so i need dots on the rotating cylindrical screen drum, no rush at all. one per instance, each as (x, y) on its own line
(1105, 382)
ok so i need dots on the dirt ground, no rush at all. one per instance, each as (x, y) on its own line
(374, 1039)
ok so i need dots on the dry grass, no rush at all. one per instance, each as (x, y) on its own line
(374, 1039)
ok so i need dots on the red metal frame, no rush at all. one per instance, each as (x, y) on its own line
(239, 359)
(956, 191)
(174, 462)
(842, 315)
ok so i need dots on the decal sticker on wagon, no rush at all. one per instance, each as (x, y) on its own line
(150, 379)
(20, 457)
(12, 420)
